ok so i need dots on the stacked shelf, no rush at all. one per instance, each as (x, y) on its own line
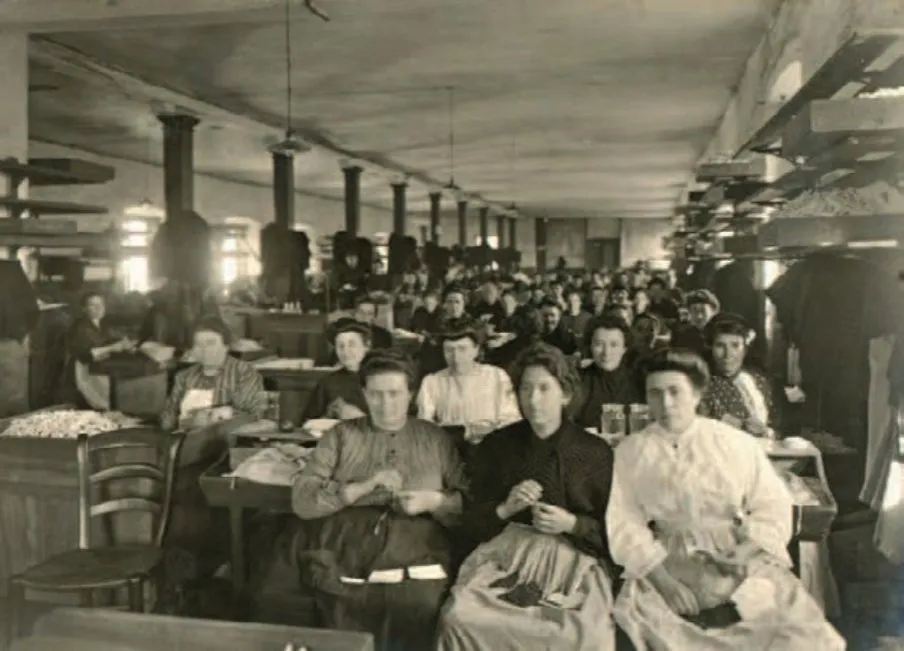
(18, 232)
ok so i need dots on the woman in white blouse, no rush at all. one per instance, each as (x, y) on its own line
(478, 396)
(701, 521)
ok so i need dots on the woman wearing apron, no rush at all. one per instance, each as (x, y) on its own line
(90, 340)
(216, 380)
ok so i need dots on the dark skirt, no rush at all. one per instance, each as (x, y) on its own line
(357, 541)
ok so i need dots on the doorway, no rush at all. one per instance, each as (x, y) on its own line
(602, 253)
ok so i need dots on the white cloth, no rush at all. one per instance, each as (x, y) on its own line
(694, 486)
(95, 389)
(484, 396)
(753, 398)
(879, 447)
(195, 399)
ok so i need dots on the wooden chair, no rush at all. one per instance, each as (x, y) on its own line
(107, 464)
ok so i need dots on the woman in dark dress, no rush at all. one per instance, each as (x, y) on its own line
(90, 340)
(377, 495)
(610, 378)
(536, 507)
(339, 394)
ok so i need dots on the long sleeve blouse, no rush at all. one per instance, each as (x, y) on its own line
(238, 384)
(573, 467)
(709, 474)
(354, 451)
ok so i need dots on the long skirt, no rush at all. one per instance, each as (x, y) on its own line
(335, 556)
(793, 622)
(526, 591)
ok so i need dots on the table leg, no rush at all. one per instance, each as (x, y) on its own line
(237, 535)
(794, 553)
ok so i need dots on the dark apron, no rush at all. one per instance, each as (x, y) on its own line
(358, 540)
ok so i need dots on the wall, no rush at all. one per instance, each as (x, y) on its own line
(215, 199)
(642, 239)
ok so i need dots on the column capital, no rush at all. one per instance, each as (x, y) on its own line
(399, 184)
(350, 167)
(435, 195)
(178, 121)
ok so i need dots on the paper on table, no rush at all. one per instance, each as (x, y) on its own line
(351, 581)
(427, 572)
(386, 576)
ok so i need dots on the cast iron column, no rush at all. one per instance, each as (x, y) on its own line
(284, 191)
(435, 204)
(352, 199)
(178, 162)
(513, 233)
(463, 223)
(398, 208)
(540, 241)
(500, 231)
(484, 225)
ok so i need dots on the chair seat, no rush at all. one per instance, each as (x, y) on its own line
(103, 567)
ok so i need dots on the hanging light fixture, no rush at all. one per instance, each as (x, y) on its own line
(452, 186)
(146, 208)
(290, 145)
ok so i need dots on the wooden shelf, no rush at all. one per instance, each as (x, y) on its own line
(39, 207)
(53, 241)
(848, 65)
(867, 126)
(56, 171)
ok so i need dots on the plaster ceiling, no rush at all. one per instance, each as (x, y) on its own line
(573, 108)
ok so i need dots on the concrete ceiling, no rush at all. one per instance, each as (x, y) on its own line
(573, 108)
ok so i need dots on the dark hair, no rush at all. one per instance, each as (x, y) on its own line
(365, 299)
(703, 297)
(87, 296)
(657, 281)
(679, 360)
(607, 321)
(213, 324)
(548, 302)
(727, 324)
(553, 361)
(347, 324)
(455, 329)
(455, 288)
(387, 361)
(510, 292)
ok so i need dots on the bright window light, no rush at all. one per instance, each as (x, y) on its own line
(229, 269)
(135, 275)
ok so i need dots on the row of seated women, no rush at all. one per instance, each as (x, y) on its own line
(679, 537)
(546, 538)
(480, 396)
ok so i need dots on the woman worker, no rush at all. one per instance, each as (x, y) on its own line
(375, 498)
(339, 394)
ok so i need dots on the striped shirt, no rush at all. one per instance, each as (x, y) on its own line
(238, 384)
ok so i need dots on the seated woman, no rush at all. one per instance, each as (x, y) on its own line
(339, 394)
(701, 521)
(610, 378)
(536, 508)
(90, 340)
(740, 397)
(702, 306)
(430, 357)
(377, 494)
(216, 380)
(427, 318)
(466, 392)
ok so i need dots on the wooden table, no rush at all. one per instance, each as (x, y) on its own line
(77, 629)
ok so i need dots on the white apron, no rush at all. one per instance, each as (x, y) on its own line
(95, 389)
(195, 400)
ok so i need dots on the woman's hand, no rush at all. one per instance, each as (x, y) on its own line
(418, 502)
(756, 427)
(390, 479)
(553, 519)
(678, 596)
(522, 495)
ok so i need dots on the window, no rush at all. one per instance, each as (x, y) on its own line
(492, 241)
(232, 261)
(135, 274)
(135, 240)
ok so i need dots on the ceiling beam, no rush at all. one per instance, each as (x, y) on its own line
(49, 16)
